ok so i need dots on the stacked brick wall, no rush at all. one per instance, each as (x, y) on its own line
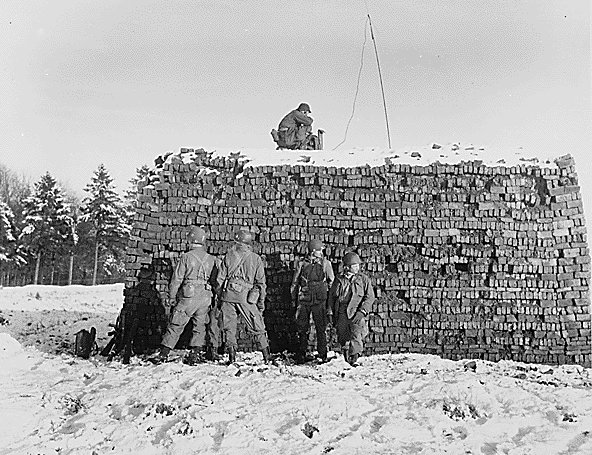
(467, 260)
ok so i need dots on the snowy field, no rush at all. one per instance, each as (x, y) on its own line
(55, 403)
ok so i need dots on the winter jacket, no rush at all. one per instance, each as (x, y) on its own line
(241, 278)
(294, 119)
(195, 268)
(312, 281)
(294, 128)
(356, 292)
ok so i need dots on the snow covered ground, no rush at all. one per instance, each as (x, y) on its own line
(53, 402)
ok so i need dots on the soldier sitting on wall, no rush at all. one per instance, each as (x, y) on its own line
(295, 131)
(350, 300)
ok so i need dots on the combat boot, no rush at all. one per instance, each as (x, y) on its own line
(353, 360)
(194, 357)
(345, 352)
(266, 355)
(231, 354)
(162, 357)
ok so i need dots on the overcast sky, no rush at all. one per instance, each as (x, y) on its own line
(120, 82)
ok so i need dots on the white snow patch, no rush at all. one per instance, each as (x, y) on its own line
(95, 299)
(8, 345)
(453, 153)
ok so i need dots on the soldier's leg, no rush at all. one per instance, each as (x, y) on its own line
(213, 327)
(342, 327)
(290, 138)
(254, 322)
(199, 317)
(319, 315)
(179, 319)
(229, 322)
(359, 332)
(303, 328)
(213, 332)
(343, 333)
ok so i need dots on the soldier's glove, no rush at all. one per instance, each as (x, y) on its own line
(358, 317)
(330, 320)
(261, 306)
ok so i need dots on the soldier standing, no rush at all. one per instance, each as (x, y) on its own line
(350, 301)
(312, 280)
(194, 276)
(241, 283)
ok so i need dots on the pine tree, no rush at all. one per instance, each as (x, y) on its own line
(131, 194)
(14, 189)
(6, 232)
(8, 246)
(103, 209)
(46, 225)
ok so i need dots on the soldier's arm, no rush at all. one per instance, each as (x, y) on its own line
(213, 280)
(368, 299)
(295, 280)
(259, 280)
(332, 299)
(177, 278)
(329, 273)
(221, 276)
(302, 119)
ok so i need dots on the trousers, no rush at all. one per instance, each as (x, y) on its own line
(194, 309)
(253, 320)
(213, 326)
(350, 335)
(319, 316)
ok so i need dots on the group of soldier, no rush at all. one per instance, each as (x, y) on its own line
(212, 293)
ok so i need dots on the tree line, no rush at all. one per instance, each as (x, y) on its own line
(48, 235)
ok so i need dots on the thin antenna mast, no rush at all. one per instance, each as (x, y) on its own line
(388, 132)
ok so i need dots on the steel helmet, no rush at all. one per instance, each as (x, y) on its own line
(315, 244)
(351, 258)
(304, 107)
(243, 237)
(196, 235)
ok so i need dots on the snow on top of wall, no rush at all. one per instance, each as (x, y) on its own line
(453, 153)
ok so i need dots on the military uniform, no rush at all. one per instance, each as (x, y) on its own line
(241, 281)
(312, 280)
(350, 300)
(192, 276)
(295, 130)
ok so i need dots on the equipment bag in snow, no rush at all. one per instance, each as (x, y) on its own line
(85, 342)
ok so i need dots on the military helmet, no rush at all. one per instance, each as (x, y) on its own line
(243, 236)
(304, 107)
(196, 235)
(315, 244)
(351, 258)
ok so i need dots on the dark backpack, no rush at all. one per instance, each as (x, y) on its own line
(85, 342)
